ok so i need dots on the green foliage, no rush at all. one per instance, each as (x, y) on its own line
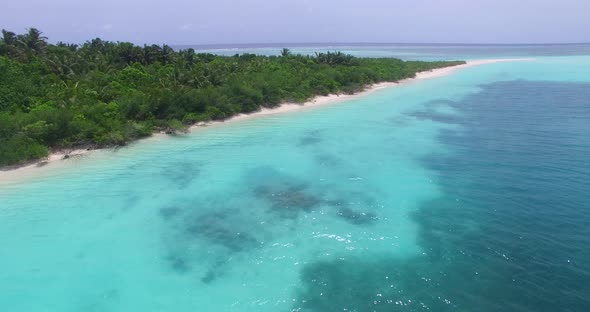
(104, 93)
(335, 58)
(17, 146)
(285, 52)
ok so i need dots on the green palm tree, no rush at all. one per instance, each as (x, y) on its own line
(8, 37)
(285, 52)
(33, 40)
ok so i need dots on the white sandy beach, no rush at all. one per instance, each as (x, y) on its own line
(10, 174)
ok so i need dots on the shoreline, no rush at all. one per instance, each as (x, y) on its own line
(8, 173)
(323, 100)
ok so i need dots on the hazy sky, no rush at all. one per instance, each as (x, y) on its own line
(268, 21)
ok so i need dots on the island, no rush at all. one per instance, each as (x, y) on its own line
(104, 94)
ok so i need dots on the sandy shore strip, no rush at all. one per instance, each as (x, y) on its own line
(7, 174)
(336, 98)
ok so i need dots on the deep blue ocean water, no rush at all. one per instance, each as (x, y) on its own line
(469, 192)
(518, 191)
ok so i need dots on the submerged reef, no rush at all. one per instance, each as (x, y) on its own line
(310, 138)
(288, 200)
(286, 196)
(216, 229)
(182, 174)
(356, 217)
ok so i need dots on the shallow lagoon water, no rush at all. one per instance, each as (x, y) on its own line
(408, 51)
(462, 193)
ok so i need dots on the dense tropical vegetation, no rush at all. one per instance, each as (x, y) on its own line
(104, 93)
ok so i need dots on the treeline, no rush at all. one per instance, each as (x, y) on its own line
(104, 93)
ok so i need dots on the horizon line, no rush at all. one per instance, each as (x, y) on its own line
(320, 44)
(326, 43)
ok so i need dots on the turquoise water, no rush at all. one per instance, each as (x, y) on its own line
(409, 51)
(463, 193)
